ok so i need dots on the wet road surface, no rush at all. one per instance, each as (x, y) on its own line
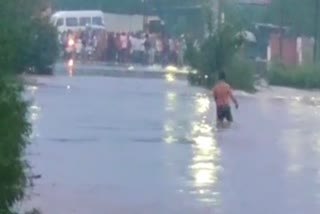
(136, 146)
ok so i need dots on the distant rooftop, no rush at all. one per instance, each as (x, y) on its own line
(257, 2)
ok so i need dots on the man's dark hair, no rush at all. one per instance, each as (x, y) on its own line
(222, 75)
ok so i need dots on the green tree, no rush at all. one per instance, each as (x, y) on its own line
(124, 6)
(18, 29)
(14, 131)
(297, 14)
(216, 52)
(43, 46)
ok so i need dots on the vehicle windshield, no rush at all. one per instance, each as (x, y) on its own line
(97, 21)
(71, 22)
(59, 22)
(85, 20)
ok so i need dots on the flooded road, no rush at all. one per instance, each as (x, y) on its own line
(136, 146)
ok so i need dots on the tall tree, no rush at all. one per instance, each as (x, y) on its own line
(125, 6)
(18, 30)
(297, 14)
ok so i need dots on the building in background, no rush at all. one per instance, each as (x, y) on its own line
(255, 2)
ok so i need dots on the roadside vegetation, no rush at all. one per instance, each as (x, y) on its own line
(301, 17)
(303, 77)
(24, 46)
(221, 52)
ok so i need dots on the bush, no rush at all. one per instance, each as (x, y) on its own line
(216, 51)
(241, 74)
(304, 77)
(14, 132)
(219, 52)
(25, 39)
(44, 48)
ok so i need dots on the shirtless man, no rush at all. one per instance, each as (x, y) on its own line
(222, 94)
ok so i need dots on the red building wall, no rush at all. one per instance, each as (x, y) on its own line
(289, 49)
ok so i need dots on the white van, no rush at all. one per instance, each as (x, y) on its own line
(78, 20)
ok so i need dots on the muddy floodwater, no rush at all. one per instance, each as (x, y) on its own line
(134, 146)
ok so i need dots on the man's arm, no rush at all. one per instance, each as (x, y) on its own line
(234, 100)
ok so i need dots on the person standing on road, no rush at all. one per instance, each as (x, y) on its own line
(222, 94)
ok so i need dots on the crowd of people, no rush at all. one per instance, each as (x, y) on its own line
(136, 48)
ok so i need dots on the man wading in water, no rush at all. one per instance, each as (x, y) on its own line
(222, 94)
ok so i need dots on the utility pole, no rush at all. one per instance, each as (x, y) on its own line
(316, 32)
(219, 14)
(282, 6)
(145, 15)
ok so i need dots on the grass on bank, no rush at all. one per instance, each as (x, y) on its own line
(302, 77)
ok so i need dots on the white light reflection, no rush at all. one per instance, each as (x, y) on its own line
(296, 107)
(204, 166)
(169, 125)
(169, 132)
(70, 72)
(170, 77)
(202, 103)
(206, 153)
(171, 68)
(33, 89)
(35, 111)
(171, 101)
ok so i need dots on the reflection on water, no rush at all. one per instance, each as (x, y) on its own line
(289, 166)
(34, 111)
(171, 101)
(169, 125)
(294, 149)
(32, 89)
(170, 77)
(169, 132)
(202, 103)
(70, 72)
(204, 166)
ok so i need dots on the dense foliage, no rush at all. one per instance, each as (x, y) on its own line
(304, 77)
(24, 36)
(123, 6)
(43, 47)
(220, 52)
(300, 15)
(14, 130)
(180, 16)
(26, 40)
(295, 13)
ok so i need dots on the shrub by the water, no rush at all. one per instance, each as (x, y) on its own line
(304, 77)
(44, 47)
(14, 132)
(241, 74)
(27, 40)
(220, 52)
